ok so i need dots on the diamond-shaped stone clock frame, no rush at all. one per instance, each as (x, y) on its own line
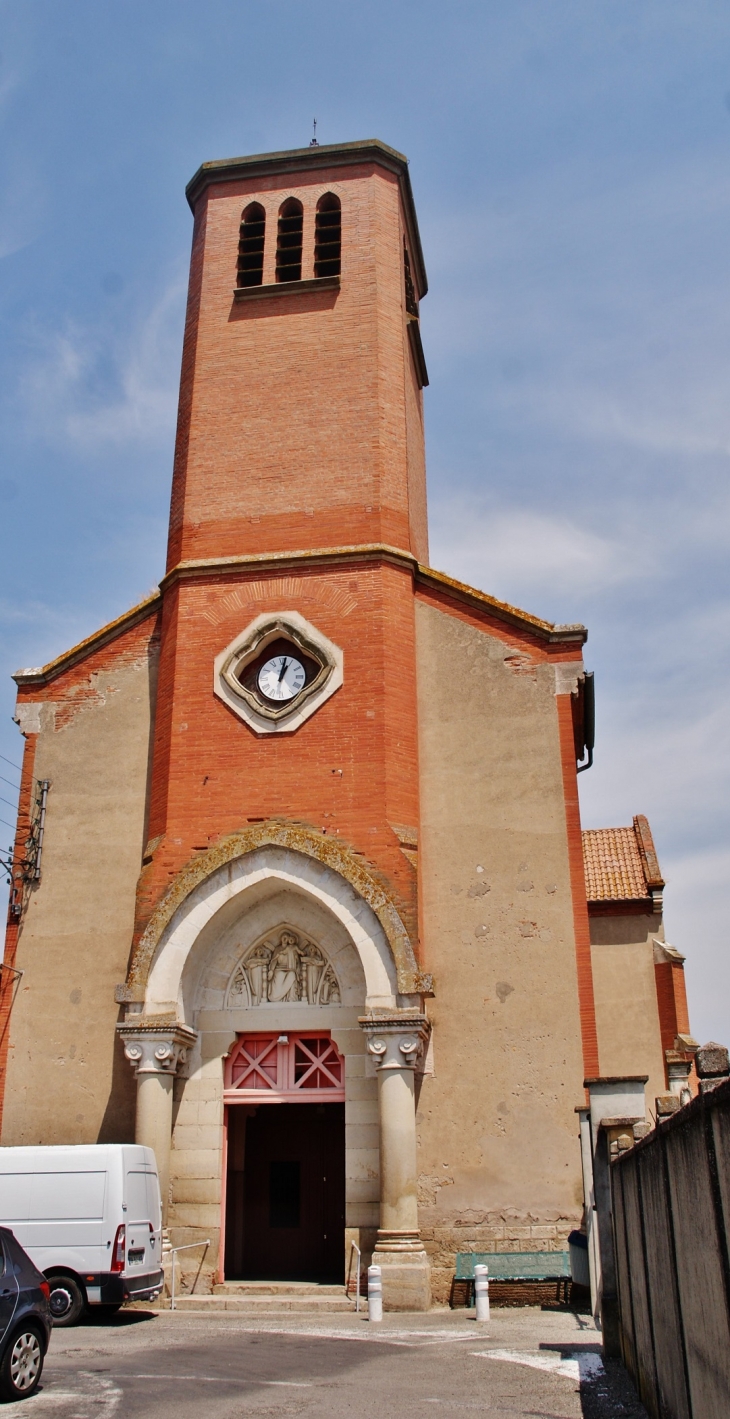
(266, 628)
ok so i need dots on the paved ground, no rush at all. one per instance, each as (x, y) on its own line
(541, 1364)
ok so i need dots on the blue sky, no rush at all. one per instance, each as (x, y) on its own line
(571, 166)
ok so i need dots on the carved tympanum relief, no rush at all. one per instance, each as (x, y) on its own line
(285, 967)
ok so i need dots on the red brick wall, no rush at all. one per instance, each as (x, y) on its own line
(351, 769)
(293, 421)
(8, 981)
(672, 1001)
(589, 1032)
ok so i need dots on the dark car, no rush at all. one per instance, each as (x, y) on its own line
(25, 1320)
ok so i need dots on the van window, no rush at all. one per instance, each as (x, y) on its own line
(65, 1197)
(142, 1198)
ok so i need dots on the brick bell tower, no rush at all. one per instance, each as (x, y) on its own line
(298, 515)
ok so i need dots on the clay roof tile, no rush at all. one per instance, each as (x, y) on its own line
(618, 867)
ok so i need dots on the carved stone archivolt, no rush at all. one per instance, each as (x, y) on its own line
(285, 967)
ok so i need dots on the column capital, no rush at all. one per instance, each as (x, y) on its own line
(396, 1038)
(156, 1046)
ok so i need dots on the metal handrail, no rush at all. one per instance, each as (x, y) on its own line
(354, 1247)
(173, 1253)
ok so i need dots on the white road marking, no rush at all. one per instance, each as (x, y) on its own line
(218, 1380)
(87, 1402)
(582, 1366)
(382, 1337)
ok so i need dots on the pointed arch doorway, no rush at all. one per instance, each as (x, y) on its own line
(285, 1158)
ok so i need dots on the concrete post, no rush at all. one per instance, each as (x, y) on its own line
(713, 1066)
(375, 1293)
(481, 1293)
(395, 1041)
(156, 1054)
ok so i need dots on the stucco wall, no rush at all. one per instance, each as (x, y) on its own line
(67, 1079)
(499, 1158)
(627, 1014)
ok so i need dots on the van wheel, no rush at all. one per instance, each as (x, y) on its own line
(67, 1300)
(22, 1365)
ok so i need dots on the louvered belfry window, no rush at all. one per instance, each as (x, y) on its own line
(328, 236)
(251, 246)
(289, 242)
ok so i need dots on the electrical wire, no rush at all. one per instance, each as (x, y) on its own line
(10, 762)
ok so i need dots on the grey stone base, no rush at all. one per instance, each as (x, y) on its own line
(406, 1280)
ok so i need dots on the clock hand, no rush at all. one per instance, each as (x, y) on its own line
(282, 672)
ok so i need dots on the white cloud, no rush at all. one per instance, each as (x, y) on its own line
(94, 389)
(573, 299)
(513, 553)
(697, 923)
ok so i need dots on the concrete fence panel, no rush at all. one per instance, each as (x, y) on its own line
(671, 1221)
(669, 1357)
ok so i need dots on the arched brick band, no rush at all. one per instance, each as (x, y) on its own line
(329, 852)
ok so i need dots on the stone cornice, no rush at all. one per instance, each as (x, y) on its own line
(425, 577)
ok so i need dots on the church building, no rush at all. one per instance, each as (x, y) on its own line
(300, 897)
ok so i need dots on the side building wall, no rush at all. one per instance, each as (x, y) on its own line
(627, 1010)
(67, 1080)
(499, 1158)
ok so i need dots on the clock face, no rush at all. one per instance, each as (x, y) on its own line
(281, 678)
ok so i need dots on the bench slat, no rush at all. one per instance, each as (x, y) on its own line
(514, 1266)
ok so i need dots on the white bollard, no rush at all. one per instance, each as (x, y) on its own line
(375, 1293)
(481, 1291)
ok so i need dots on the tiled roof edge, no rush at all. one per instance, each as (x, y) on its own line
(647, 852)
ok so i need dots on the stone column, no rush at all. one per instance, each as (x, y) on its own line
(395, 1042)
(156, 1051)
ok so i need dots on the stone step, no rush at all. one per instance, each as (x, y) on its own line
(276, 1288)
(268, 1304)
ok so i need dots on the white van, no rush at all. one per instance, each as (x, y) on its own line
(89, 1217)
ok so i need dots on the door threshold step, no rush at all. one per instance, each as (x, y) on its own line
(268, 1305)
(278, 1288)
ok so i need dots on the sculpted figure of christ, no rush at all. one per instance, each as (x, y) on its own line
(284, 970)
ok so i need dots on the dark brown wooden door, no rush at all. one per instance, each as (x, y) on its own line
(285, 1201)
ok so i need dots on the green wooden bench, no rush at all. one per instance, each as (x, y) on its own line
(508, 1266)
